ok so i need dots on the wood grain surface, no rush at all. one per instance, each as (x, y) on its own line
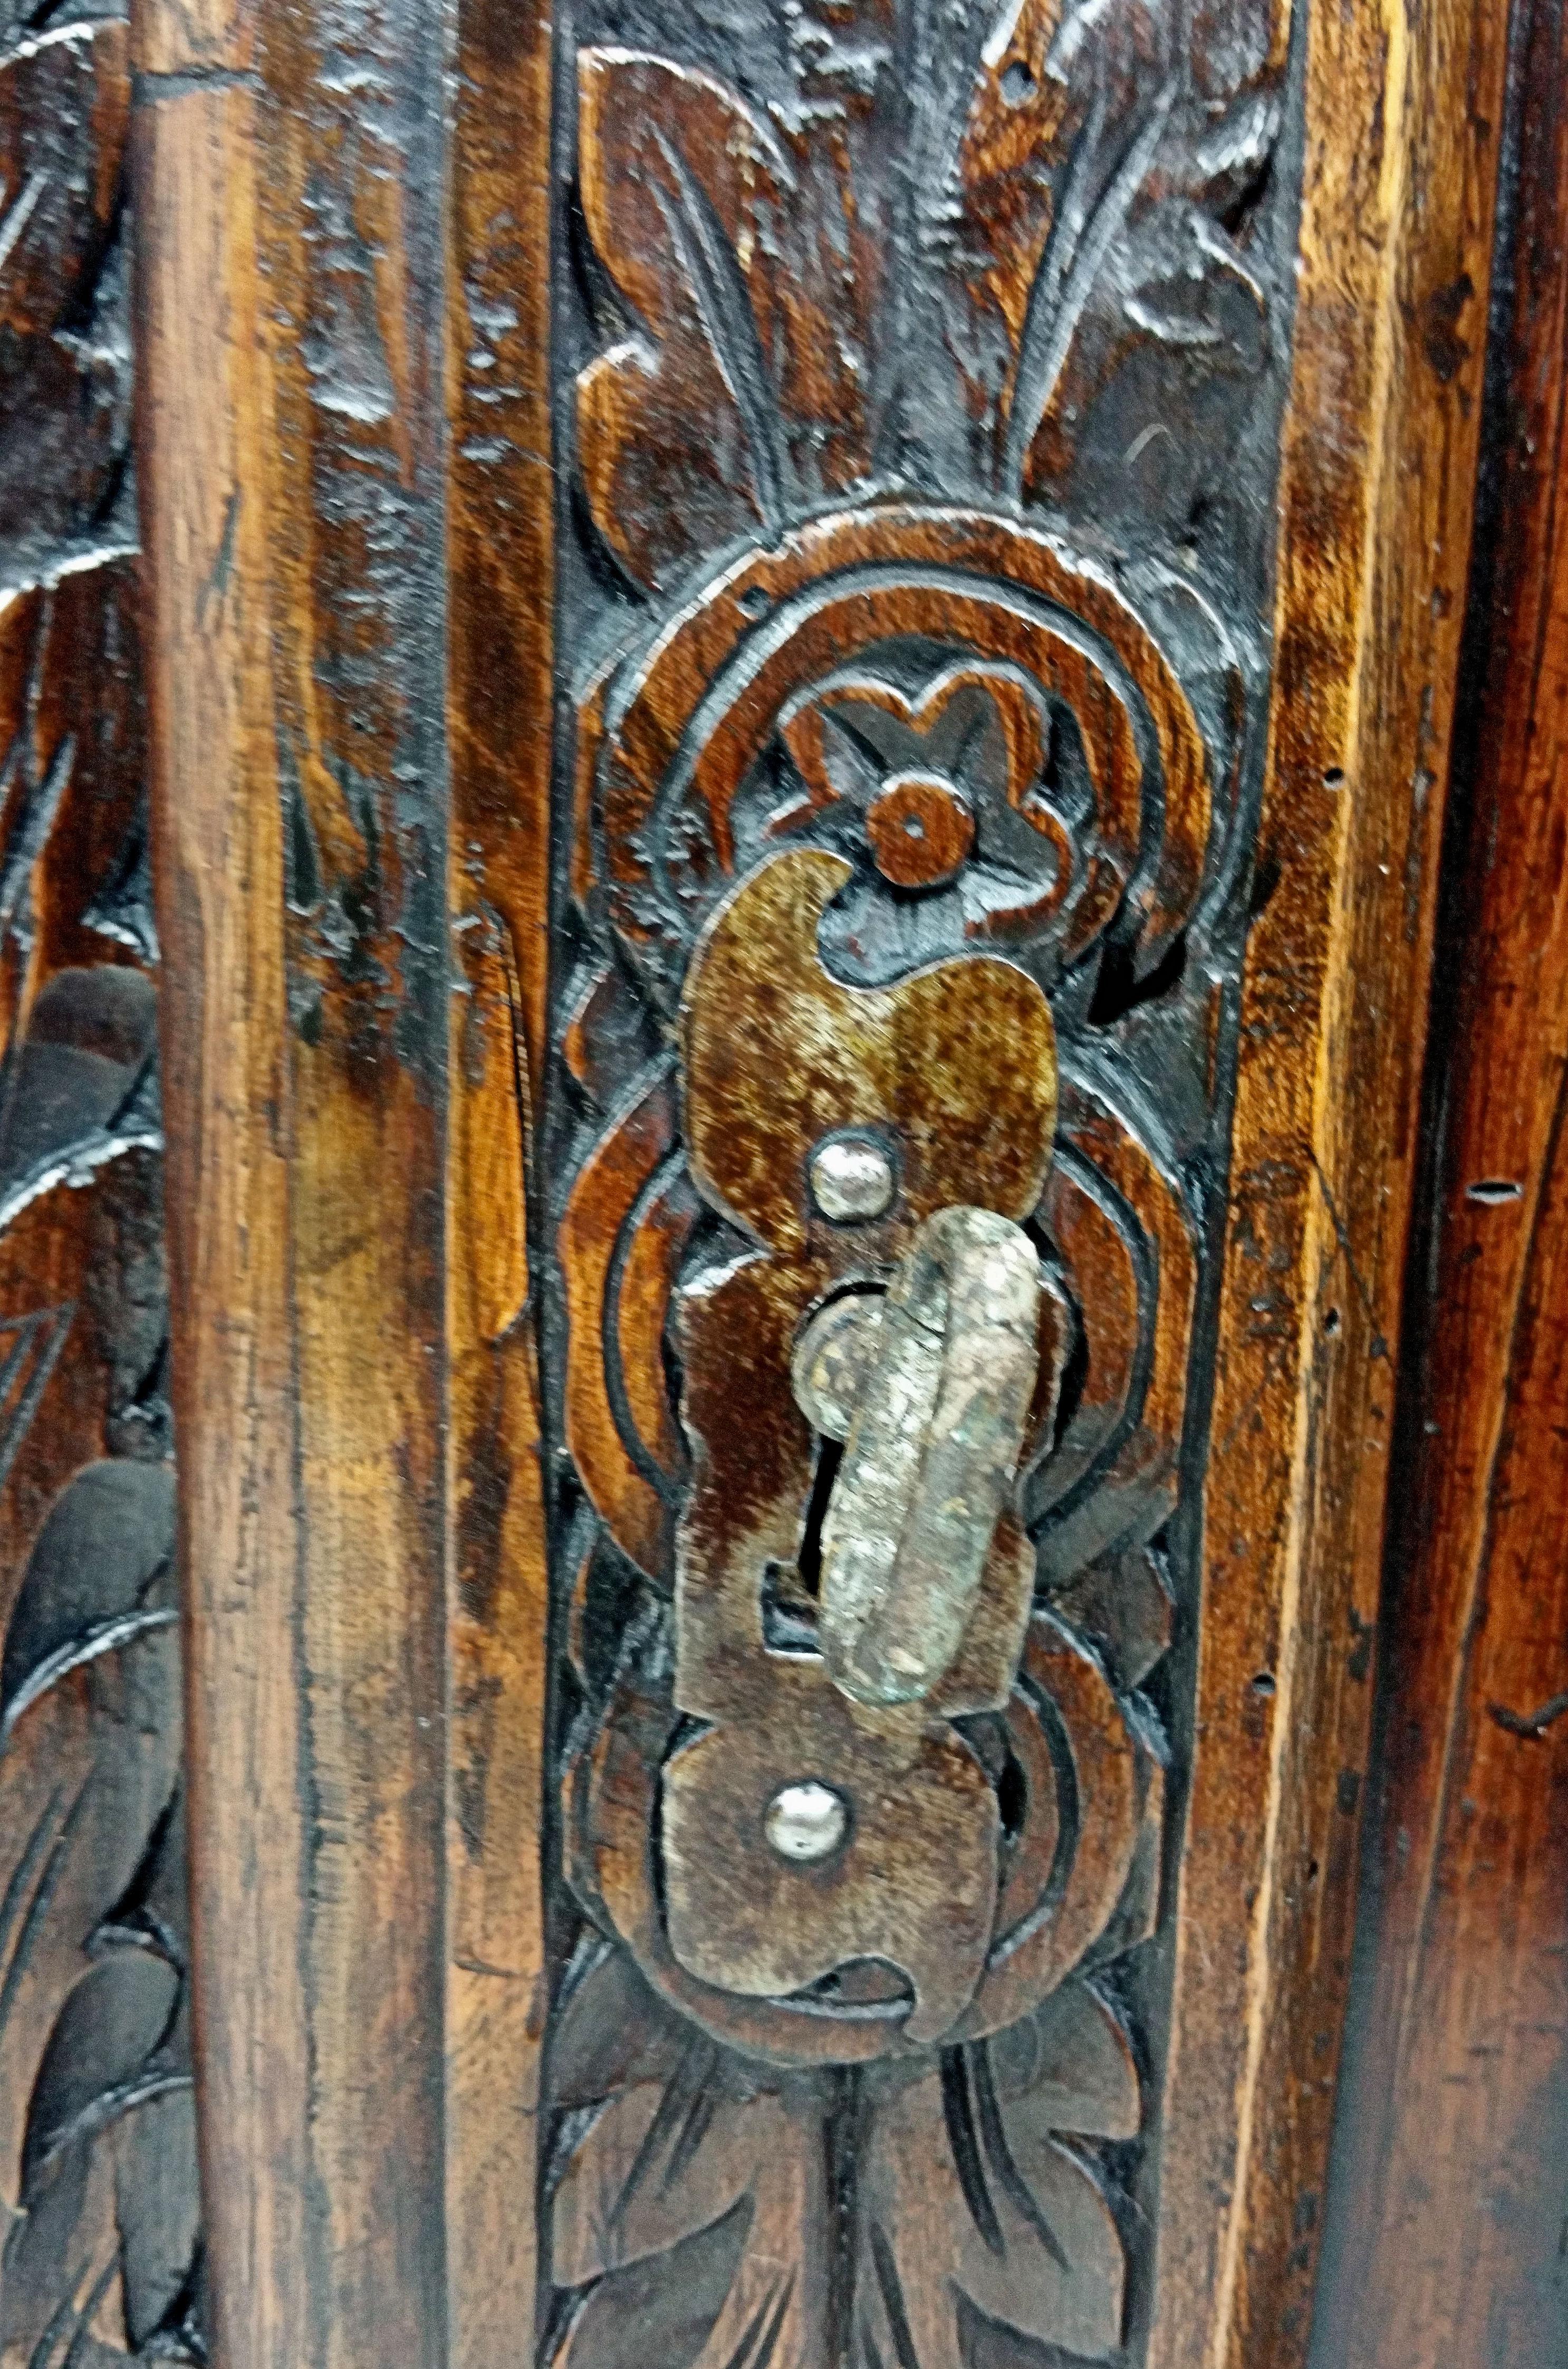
(1403, 111)
(919, 407)
(579, 495)
(1449, 2198)
(501, 555)
(288, 178)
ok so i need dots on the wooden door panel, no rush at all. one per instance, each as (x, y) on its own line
(708, 379)
(1448, 2205)
(718, 584)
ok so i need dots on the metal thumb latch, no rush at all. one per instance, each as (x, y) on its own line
(825, 1814)
(930, 1387)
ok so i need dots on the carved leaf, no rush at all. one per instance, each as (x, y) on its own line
(64, 393)
(1095, 205)
(157, 2208)
(1071, 2062)
(663, 2308)
(1102, 191)
(678, 432)
(98, 2245)
(682, 2192)
(97, 2137)
(611, 2033)
(30, 1346)
(973, 2203)
(84, 1088)
(108, 2189)
(76, 1032)
(656, 2162)
(1177, 322)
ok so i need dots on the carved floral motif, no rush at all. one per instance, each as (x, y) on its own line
(888, 674)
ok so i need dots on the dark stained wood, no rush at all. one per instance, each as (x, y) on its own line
(1377, 493)
(288, 186)
(500, 538)
(584, 505)
(780, 694)
(1450, 2191)
(99, 2230)
(690, 431)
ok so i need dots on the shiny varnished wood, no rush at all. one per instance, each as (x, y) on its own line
(838, 529)
(499, 557)
(100, 2251)
(563, 492)
(1449, 2198)
(1381, 449)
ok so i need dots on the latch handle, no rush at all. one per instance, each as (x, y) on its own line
(949, 1363)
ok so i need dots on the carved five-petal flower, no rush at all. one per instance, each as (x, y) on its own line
(946, 793)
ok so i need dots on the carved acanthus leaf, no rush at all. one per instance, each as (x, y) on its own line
(679, 431)
(95, 2078)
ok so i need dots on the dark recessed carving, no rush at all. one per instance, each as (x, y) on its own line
(100, 2254)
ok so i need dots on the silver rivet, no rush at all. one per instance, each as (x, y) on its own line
(805, 1821)
(851, 1177)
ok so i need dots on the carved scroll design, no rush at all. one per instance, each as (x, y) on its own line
(925, 374)
(100, 2236)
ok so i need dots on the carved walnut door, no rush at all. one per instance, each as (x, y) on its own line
(758, 700)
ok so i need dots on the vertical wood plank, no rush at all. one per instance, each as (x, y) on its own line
(290, 181)
(218, 863)
(501, 551)
(1381, 439)
(1451, 2167)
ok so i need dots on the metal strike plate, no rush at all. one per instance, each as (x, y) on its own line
(879, 1150)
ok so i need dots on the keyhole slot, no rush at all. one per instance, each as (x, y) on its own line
(829, 1455)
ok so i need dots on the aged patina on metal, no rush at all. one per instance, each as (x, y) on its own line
(932, 1449)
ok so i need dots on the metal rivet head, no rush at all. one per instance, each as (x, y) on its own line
(851, 1177)
(806, 1822)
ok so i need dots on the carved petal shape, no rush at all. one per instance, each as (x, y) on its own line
(970, 2203)
(636, 2184)
(660, 788)
(678, 432)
